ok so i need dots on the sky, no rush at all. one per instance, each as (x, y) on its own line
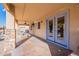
(2, 15)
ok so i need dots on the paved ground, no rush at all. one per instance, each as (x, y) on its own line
(1, 47)
(32, 47)
(22, 41)
(36, 47)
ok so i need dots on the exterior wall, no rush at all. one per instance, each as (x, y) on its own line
(42, 31)
(74, 29)
(73, 25)
(39, 32)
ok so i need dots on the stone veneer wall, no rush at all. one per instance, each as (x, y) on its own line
(9, 42)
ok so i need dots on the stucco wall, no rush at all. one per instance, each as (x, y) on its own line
(73, 25)
(74, 28)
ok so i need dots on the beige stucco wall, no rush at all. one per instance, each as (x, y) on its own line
(73, 24)
(74, 28)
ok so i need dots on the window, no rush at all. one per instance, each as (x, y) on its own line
(38, 25)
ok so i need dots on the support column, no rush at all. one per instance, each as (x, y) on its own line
(9, 42)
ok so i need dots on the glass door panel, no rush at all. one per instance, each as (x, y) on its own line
(50, 29)
(60, 28)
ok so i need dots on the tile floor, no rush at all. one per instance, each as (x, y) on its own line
(36, 47)
(32, 47)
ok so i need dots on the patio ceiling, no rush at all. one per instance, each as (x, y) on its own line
(29, 12)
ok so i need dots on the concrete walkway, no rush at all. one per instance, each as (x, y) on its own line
(22, 41)
(32, 47)
(1, 47)
(35, 46)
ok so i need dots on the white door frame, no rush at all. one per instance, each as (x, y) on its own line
(65, 41)
(66, 13)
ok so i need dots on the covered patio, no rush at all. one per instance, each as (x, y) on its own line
(29, 31)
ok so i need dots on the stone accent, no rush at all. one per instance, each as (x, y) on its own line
(1, 47)
(9, 42)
